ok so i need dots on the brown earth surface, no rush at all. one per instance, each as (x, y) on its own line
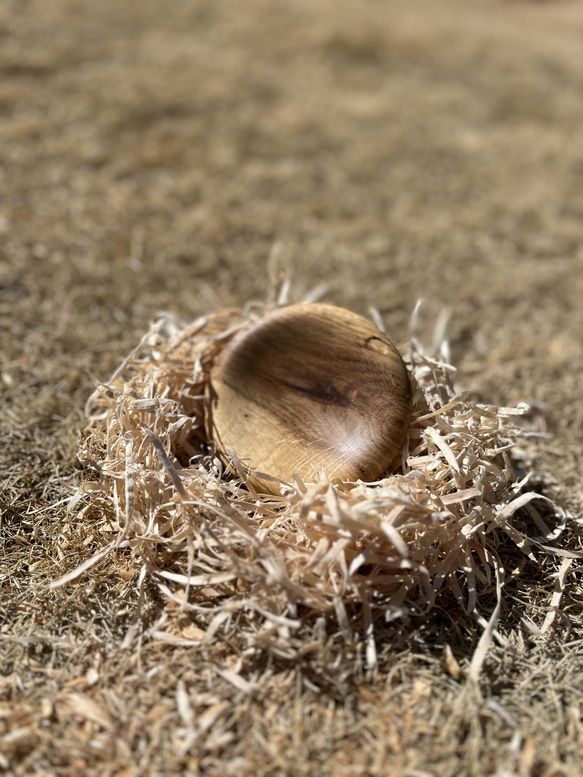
(151, 156)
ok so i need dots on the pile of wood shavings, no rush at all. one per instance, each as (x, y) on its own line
(224, 553)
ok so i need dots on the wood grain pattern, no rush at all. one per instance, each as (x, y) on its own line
(310, 387)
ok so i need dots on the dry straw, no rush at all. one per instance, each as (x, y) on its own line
(338, 556)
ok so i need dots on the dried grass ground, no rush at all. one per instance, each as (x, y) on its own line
(150, 156)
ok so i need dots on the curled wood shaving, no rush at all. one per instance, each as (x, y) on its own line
(218, 549)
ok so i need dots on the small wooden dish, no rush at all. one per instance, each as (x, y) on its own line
(308, 388)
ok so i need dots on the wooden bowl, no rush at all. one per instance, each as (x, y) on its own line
(310, 388)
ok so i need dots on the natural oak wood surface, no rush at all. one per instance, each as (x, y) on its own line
(308, 388)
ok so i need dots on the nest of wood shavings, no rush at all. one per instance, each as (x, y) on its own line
(351, 554)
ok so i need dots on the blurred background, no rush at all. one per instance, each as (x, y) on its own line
(152, 154)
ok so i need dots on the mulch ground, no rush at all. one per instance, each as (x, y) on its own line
(151, 157)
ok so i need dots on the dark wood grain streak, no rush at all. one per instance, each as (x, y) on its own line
(311, 387)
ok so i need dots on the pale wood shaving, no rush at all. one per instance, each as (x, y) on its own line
(389, 547)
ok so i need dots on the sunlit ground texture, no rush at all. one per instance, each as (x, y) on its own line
(151, 156)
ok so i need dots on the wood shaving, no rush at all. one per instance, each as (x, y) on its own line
(220, 550)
